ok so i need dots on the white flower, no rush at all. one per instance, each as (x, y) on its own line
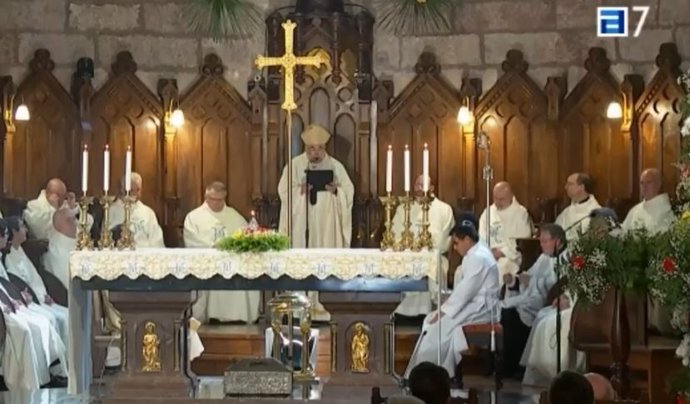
(685, 131)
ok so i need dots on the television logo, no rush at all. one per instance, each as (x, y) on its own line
(613, 21)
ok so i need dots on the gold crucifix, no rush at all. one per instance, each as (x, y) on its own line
(288, 62)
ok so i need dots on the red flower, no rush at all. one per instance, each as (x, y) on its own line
(680, 398)
(578, 262)
(669, 265)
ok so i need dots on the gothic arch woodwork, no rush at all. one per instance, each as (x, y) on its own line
(658, 119)
(216, 143)
(54, 126)
(124, 112)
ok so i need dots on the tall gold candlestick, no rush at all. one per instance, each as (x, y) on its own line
(126, 240)
(388, 240)
(424, 240)
(106, 240)
(84, 241)
(406, 238)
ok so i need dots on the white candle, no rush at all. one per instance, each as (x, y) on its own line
(106, 169)
(128, 169)
(389, 169)
(407, 169)
(425, 168)
(85, 169)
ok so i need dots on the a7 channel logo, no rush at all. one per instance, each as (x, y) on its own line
(613, 21)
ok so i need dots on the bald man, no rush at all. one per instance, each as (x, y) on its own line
(603, 390)
(39, 212)
(509, 221)
(146, 231)
(441, 222)
(655, 214)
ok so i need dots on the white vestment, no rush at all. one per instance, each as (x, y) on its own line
(577, 211)
(656, 216)
(474, 300)
(144, 225)
(441, 222)
(530, 299)
(19, 264)
(506, 226)
(56, 259)
(329, 220)
(202, 229)
(38, 216)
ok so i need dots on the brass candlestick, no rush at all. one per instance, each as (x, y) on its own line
(388, 241)
(126, 240)
(84, 241)
(424, 240)
(106, 240)
(406, 238)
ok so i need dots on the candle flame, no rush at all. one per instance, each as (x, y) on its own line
(252, 213)
(390, 147)
(86, 147)
(426, 145)
(406, 147)
(107, 148)
(129, 148)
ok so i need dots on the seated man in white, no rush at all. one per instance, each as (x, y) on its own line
(654, 214)
(441, 221)
(143, 221)
(31, 343)
(19, 264)
(62, 240)
(519, 308)
(203, 227)
(575, 218)
(509, 221)
(474, 300)
(39, 212)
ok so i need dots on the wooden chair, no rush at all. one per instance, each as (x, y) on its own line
(480, 336)
(472, 397)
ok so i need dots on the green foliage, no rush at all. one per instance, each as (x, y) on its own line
(223, 19)
(669, 271)
(258, 241)
(415, 17)
(679, 383)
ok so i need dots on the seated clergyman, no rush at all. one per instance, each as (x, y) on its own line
(39, 212)
(474, 300)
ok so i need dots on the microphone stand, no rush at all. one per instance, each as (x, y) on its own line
(558, 314)
(483, 143)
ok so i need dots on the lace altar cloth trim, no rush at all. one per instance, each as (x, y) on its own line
(205, 263)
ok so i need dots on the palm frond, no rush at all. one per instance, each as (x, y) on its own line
(223, 19)
(415, 17)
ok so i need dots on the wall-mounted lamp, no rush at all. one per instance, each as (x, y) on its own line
(22, 113)
(177, 118)
(614, 110)
(9, 114)
(464, 115)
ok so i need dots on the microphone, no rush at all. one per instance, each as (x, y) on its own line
(483, 141)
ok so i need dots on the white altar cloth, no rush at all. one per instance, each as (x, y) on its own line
(158, 263)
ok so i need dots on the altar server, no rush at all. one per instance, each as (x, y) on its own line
(473, 300)
(509, 221)
(655, 214)
(19, 264)
(441, 222)
(39, 212)
(575, 218)
(326, 214)
(62, 240)
(526, 296)
(144, 225)
(203, 227)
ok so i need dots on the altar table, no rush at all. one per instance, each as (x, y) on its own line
(154, 285)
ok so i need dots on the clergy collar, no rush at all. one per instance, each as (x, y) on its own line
(661, 199)
(62, 241)
(589, 196)
(213, 212)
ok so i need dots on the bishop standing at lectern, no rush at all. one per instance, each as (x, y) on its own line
(322, 195)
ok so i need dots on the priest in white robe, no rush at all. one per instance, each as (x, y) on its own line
(326, 214)
(441, 222)
(473, 300)
(62, 240)
(146, 231)
(38, 214)
(575, 218)
(509, 222)
(203, 227)
(655, 214)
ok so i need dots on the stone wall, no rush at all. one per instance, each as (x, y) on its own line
(554, 35)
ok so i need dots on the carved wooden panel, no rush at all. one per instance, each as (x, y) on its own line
(53, 129)
(126, 113)
(658, 119)
(523, 146)
(215, 143)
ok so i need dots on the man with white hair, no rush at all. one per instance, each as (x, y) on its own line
(144, 225)
(203, 227)
(509, 222)
(39, 212)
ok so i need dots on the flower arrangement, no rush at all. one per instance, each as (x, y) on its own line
(254, 238)
(683, 189)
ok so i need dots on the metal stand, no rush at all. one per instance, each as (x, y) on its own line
(84, 241)
(126, 241)
(388, 241)
(484, 143)
(406, 238)
(106, 241)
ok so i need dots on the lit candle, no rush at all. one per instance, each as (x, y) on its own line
(425, 168)
(128, 170)
(106, 169)
(389, 169)
(407, 169)
(85, 169)
(253, 214)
